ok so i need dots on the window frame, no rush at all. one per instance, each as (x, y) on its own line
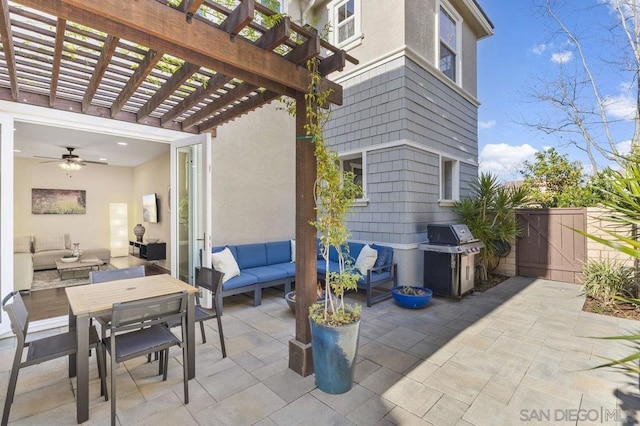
(356, 38)
(457, 49)
(282, 3)
(364, 200)
(444, 178)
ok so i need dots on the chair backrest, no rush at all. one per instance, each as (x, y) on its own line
(18, 315)
(116, 274)
(147, 312)
(209, 279)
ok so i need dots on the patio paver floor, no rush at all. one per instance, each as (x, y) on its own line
(518, 352)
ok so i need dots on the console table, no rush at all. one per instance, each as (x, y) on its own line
(149, 251)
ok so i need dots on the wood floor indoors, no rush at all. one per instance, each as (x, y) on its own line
(51, 303)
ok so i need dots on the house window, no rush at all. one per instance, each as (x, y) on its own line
(356, 163)
(449, 44)
(278, 6)
(345, 18)
(449, 179)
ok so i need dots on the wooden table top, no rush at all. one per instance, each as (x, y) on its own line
(96, 298)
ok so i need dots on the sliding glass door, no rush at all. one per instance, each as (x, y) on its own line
(6, 214)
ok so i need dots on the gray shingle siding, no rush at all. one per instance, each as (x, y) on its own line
(407, 103)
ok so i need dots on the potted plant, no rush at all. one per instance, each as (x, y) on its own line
(335, 325)
(411, 297)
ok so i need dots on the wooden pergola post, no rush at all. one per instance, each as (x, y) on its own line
(300, 354)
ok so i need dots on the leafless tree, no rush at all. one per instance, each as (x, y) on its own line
(581, 107)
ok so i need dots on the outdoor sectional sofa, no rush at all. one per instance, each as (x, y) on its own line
(263, 265)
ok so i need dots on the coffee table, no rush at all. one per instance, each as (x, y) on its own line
(82, 264)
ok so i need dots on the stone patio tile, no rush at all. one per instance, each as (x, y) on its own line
(501, 388)
(494, 363)
(594, 412)
(344, 403)
(552, 389)
(400, 416)
(247, 342)
(516, 346)
(167, 409)
(459, 381)
(364, 369)
(307, 410)
(270, 351)
(269, 370)
(232, 326)
(447, 411)
(227, 383)
(431, 352)
(401, 338)
(381, 380)
(421, 371)
(372, 412)
(387, 356)
(289, 385)
(249, 406)
(49, 397)
(528, 398)
(412, 396)
(199, 398)
(488, 411)
(248, 362)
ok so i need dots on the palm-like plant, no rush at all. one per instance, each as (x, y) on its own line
(489, 215)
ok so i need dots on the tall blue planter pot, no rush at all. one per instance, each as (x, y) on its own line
(334, 355)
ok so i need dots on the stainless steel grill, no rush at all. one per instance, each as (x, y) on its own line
(449, 259)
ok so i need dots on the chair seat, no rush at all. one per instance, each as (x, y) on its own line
(138, 343)
(201, 314)
(57, 346)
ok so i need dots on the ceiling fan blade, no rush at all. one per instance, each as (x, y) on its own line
(51, 161)
(48, 158)
(102, 163)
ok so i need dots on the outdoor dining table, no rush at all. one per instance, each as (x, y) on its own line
(90, 301)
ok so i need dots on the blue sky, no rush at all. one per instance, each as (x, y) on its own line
(524, 50)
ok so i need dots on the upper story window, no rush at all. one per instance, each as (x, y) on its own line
(345, 17)
(356, 163)
(449, 179)
(449, 43)
(278, 6)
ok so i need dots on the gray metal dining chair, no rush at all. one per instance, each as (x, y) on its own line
(44, 349)
(211, 280)
(138, 328)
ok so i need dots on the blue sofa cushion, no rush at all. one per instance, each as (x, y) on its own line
(251, 255)
(288, 267)
(354, 250)
(375, 277)
(385, 255)
(266, 273)
(333, 267)
(240, 281)
(218, 249)
(278, 252)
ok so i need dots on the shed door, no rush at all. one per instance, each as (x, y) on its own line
(549, 247)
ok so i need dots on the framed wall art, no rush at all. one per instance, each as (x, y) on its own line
(58, 201)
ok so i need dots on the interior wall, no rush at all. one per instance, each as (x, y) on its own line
(253, 160)
(152, 176)
(104, 185)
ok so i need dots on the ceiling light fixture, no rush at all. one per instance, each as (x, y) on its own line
(70, 166)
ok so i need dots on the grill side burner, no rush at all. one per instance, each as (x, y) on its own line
(449, 259)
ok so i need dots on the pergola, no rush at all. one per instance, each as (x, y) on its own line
(186, 65)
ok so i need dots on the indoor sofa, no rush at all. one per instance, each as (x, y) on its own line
(261, 265)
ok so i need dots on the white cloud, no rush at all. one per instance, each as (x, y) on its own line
(539, 49)
(622, 106)
(486, 124)
(562, 57)
(624, 147)
(505, 160)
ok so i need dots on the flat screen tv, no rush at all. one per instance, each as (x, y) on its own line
(150, 208)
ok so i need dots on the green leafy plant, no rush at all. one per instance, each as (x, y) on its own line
(489, 214)
(605, 279)
(334, 192)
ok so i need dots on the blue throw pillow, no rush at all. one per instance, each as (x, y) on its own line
(384, 255)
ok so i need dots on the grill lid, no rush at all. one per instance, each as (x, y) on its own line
(450, 234)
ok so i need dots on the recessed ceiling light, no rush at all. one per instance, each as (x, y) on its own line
(123, 143)
(102, 159)
(17, 150)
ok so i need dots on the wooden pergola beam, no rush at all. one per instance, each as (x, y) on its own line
(239, 18)
(214, 83)
(162, 28)
(57, 59)
(307, 50)
(236, 111)
(276, 35)
(241, 90)
(100, 68)
(333, 63)
(7, 47)
(145, 67)
(190, 7)
(170, 86)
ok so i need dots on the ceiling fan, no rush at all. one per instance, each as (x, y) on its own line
(70, 161)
